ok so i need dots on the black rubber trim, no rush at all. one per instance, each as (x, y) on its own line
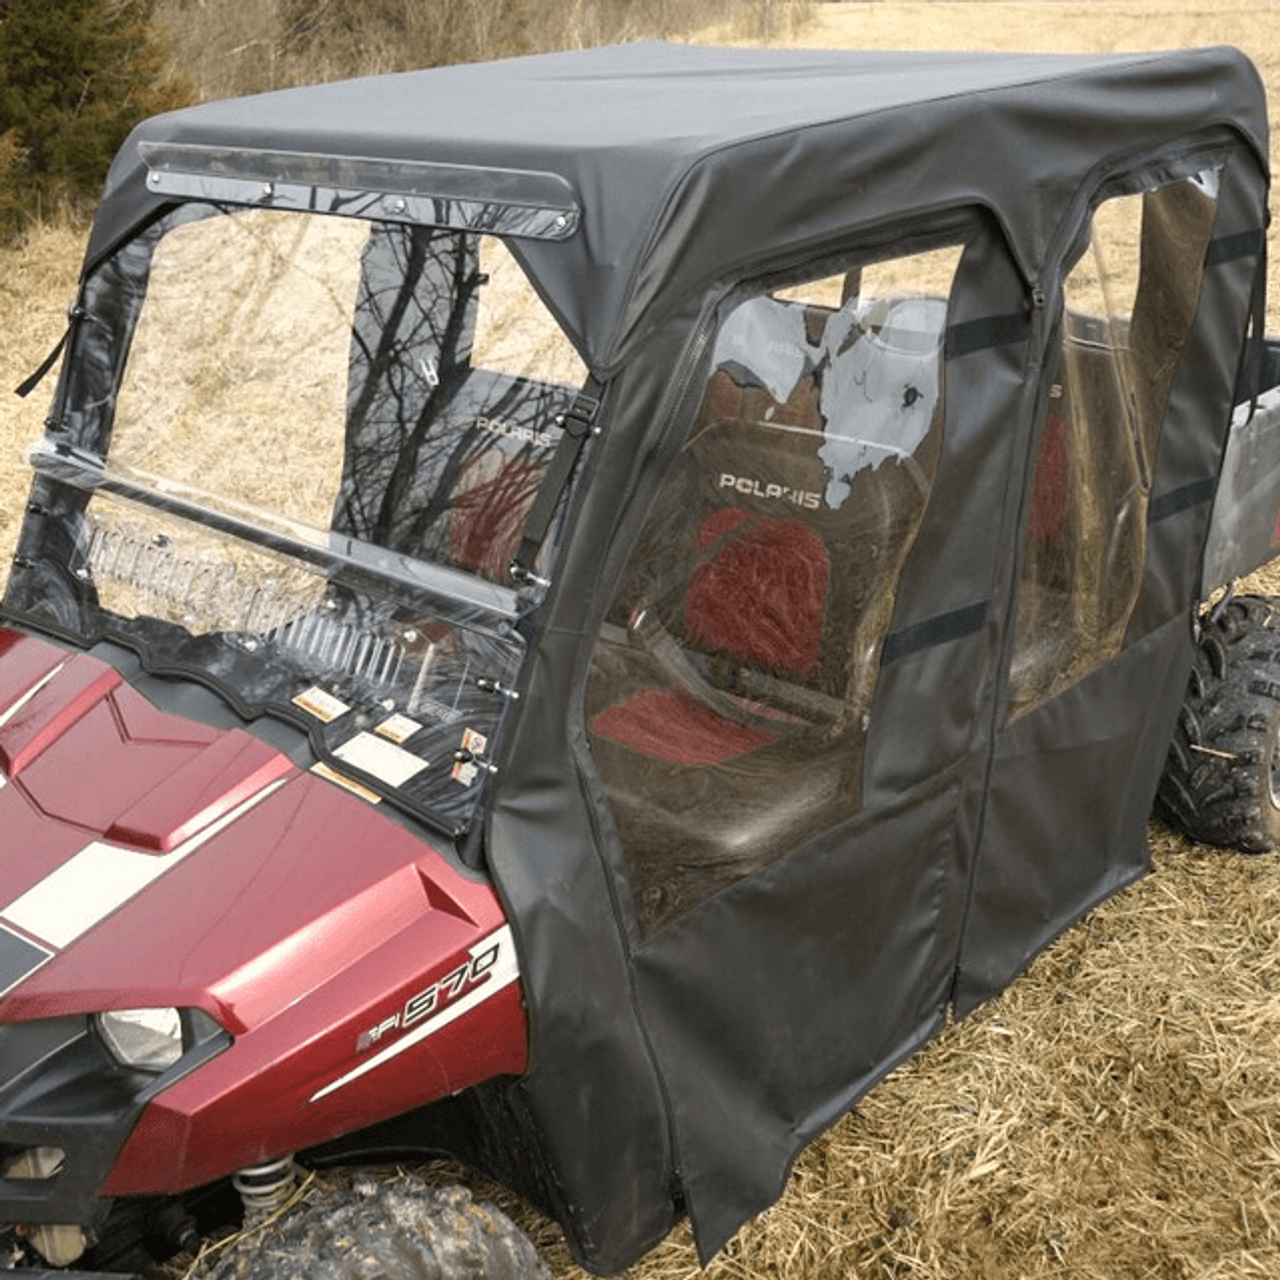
(941, 629)
(36, 1273)
(1183, 498)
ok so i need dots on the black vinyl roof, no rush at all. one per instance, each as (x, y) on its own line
(687, 161)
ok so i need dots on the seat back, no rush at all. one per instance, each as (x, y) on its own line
(758, 591)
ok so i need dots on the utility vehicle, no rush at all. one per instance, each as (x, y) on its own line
(571, 611)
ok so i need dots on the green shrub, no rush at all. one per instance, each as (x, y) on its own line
(75, 77)
(11, 158)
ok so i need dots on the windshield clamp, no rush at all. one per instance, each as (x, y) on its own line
(489, 685)
(523, 577)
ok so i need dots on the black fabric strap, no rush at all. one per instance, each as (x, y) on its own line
(74, 316)
(943, 627)
(576, 425)
(971, 336)
(1241, 244)
(1232, 248)
(1256, 340)
(1183, 498)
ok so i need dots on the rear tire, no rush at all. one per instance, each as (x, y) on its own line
(1221, 781)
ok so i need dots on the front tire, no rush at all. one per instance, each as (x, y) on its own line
(1221, 781)
(368, 1228)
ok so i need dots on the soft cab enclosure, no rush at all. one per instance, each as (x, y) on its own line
(847, 631)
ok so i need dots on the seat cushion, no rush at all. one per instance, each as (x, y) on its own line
(664, 725)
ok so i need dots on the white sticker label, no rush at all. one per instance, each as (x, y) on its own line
(324, 706)
(398, 728)
(383, 760)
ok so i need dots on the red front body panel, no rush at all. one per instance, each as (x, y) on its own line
(154, 861)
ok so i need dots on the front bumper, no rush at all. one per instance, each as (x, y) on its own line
(62, 1091)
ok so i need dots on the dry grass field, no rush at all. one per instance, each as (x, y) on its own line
(1116, 1114)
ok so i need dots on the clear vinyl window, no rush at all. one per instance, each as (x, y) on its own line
(1129, 302)
(733, 681)
(296, 457)
(399, 385)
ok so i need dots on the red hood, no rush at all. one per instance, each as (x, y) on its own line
(152, 860)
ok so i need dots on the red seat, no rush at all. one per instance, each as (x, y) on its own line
(713, 707)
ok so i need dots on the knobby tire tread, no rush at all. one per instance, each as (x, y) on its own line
(1217, 782)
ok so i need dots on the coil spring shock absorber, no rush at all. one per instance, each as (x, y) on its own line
(264, 1188)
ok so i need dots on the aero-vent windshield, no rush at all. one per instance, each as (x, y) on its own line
(294, 458)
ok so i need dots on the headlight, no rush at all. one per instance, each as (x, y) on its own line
(147, 1039)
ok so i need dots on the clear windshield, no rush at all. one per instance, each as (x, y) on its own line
(294, 457)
